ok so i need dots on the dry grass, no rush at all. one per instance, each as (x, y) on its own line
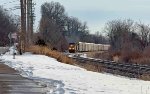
(91, 66)
(48, 52)
(87, 65)
(138, 58)
(126, 56)
(100, 55)
(145, 77)
(142, 60)
(62, 58)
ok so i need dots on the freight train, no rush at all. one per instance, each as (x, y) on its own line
(87, 47)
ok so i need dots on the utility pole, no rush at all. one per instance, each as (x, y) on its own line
(30, 21)
(23, 26)
(27, 18)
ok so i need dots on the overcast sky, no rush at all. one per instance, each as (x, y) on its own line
(96, 12)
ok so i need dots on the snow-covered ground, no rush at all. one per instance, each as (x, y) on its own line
(70, 79)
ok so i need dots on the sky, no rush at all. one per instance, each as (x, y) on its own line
(95, 12)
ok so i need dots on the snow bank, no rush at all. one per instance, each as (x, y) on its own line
(12, 50)
(70, 79)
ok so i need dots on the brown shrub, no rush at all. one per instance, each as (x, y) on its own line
(134, 56)
(142, 60)
(91, 66)
(62, 58)
(118, 53)
(128, 55)
(146, 52)
(115, 56)
(48, 52)
(145, 77)
(99, 55)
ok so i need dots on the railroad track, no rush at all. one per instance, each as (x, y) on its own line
(124, 69)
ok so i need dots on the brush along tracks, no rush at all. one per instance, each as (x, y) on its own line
(124, 69)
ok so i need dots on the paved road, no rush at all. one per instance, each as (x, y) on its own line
(12, 83)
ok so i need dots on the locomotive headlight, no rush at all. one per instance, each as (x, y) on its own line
(73, 48)
(69, 48)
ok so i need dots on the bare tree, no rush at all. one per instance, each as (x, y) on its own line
(144, 33)
(7, 25)
(54, 11)
(51, 25)
(76, 29)
(55, 25)
(119, 32)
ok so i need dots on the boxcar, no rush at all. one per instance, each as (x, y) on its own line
(86, 47)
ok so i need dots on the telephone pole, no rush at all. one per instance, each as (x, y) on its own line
(27, 20)
(30, 21)
(23, 26)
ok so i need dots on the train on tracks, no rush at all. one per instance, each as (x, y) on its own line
(87, 47)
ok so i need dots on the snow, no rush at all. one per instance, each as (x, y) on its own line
(76, 55)
(12, 50)
(70, 79)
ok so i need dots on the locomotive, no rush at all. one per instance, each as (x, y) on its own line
(87, 47)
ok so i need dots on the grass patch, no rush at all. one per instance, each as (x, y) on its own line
(145, 77)
(91, 66)
(43, 50)
(99, 54)
(143, 60)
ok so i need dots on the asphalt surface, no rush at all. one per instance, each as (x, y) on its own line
(13, 83)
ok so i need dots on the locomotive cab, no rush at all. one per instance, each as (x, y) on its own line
(72, 47)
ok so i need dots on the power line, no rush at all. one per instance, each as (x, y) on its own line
(7, 5)
(11, 2)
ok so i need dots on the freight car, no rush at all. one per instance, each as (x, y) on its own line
(87, 47)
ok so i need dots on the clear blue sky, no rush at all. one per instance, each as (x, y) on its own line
(97, 12)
